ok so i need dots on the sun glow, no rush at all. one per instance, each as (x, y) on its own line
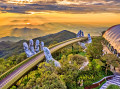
(38, 19)
(21, 1)
(66, 2)
(28, 23)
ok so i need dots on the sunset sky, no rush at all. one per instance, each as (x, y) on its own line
(19, 14)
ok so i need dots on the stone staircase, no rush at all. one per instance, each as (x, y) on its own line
(115, 80)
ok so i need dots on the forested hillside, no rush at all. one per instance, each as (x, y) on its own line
(8, 49)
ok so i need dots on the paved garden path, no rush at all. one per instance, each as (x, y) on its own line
(115, 80)
(84, 64)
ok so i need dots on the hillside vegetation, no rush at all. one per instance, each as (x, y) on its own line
(69, 76)
(13, 48)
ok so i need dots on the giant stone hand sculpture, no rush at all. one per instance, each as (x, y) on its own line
(89, 39)
(37, 46)
(32, 47)
(47, 54)
(42, 45)
(26, 49)
(79, 33)
(82, 34)
(49, 57)
(82, 45)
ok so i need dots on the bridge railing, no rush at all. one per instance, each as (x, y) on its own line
(63, 42)
(28, 59)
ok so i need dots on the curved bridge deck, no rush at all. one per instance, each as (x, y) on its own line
(9, 80)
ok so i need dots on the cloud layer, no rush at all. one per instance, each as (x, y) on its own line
(76, 6)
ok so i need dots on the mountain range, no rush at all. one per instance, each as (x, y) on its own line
(33, 31)
(26, 33)
(10, 38)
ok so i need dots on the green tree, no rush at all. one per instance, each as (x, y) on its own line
(110, 59)
(53, 82)
(94, 49)
(78, 59)
(95, 65)
(13, 87)
(53, 43)
(2, 68)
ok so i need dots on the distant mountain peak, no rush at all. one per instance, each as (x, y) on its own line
(64, 31)
(27, 33)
